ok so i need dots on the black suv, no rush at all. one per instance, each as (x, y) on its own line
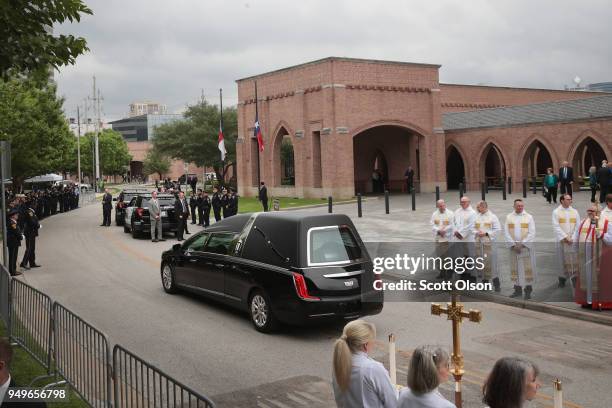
(125, 196)
(140, 221)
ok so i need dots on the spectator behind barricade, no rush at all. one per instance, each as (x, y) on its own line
(511, 383)
(429, 367)
(358, 380)
(6, 381)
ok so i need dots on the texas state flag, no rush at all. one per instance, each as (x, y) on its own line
(258, 135)
(221, 141)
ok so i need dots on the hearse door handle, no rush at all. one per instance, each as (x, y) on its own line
(219, 265)
(193, 260)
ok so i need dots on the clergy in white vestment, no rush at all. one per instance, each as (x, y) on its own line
(565, 222)
(463, 230)
(441, 223)
(486, 232)
(520, 232)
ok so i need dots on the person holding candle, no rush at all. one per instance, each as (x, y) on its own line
(358, 380)
(429, 367)
(512, 382)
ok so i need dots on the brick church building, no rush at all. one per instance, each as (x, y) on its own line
(329, 124)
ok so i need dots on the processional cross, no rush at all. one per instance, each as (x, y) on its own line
(454, 312)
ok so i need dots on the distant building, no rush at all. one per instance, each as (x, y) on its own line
(143, 108)
(601, 87)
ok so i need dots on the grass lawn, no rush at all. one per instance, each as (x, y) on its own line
(251, 204)
(24, 369)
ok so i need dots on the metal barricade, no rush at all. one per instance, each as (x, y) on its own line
(30, 321)
(5, 299)
(82, 357)
(139, 384)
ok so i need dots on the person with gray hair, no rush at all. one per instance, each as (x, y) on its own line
(429, 367)
(512, 382)
(358, 380)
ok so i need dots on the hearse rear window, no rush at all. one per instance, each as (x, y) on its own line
(332, 245)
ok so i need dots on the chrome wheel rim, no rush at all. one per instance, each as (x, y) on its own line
(259, 310)
(167, 277)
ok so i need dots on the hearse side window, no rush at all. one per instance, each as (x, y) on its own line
(197, 244)
(219, 243)
(332, 245)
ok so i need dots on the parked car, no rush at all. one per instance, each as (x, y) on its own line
(287, 267)
(124, 198)
(138, 210)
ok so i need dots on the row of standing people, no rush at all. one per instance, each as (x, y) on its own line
(360, 381)
(600, 179)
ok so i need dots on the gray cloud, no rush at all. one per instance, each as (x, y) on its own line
(169, 51)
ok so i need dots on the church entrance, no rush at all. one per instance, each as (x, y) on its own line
(455, 169)
(381, 156)
(537, 159)
(589, 153)
(493, 167)
(284, 171)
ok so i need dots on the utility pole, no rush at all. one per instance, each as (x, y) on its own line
(96, 107)
(79, 146)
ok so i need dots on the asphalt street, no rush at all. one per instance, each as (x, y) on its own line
(113, 281)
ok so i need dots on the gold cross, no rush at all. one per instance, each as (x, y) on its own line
(454, 312)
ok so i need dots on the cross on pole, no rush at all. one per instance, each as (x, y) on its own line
(454, 312)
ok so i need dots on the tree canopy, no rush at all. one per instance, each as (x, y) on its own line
(195, 139)
(27, 39)
(31, 118)
(156, 162)
(114, 155)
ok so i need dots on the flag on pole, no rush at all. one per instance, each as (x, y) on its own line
(221, 141)
(258, 135)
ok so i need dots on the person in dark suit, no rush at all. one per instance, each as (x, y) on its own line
(263, 196)
(193, 182)
(604, 178)
(224, 202)
(181, 211)
(204, 209)
(232, 204)
(13, 241)
(6, 381)
(30, 231)
(566, 178)
(193, 205)
(409, 177)
(216, 203)
(107, 205)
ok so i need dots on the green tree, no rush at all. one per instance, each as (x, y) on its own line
(195, 139)
(28, 43)
(156, 162)
(31, 118)
(114, 155)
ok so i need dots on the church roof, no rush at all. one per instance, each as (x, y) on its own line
(562, 111)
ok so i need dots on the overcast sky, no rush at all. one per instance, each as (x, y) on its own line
(168, 51)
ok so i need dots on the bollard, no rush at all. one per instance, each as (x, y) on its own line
(524, 188)
(359, 205)
(386, 201)
(460, 190)
(483, 191)
(437, 193)
(504, 189)
(509, 185)
(413, 199)
(329, 204)
(535, 188)
(486, 187)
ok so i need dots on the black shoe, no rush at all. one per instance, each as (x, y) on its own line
(496, 284)
(562, 281)
(188, 233)
(573, 280)
(17, 273)
(518, 292)
(180, 239)
(35, 266)
(528, 291)
(153, 240)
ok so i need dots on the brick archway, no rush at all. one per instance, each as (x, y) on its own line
(455, 167)
(588, 150)
(280, 134)
(492, 165)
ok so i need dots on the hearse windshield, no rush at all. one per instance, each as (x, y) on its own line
(333, 245)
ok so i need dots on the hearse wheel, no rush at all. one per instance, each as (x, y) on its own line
(261, 314)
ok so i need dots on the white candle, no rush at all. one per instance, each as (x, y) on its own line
(558, 394)
(392, 365)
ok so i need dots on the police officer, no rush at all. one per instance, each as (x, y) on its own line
(193, 204)
(13, 242)
(224, 203)
(232, 203)
(205, 221)
(30, 231)
(107, 205)
(216, 203)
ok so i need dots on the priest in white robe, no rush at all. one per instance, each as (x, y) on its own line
(565, 222)
(520, 231)
(463, 231)
(487, 229)
(441, 223)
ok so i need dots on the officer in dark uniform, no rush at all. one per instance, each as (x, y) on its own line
(224, 202)
(30, 231)
(107, 205)
(193, 204)
(13, 241)
(232, 204)
(216, 204)
(263, 196)
(205, 210)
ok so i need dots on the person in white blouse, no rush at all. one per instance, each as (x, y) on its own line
(429, 367)
(512, 382)
(358, 380)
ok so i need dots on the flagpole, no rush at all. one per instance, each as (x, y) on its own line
(221, 127)
(258, 152)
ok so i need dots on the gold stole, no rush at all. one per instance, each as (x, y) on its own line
(570, 258)
(524, 256)
(441, 219)
(484, 247)
(587, 235)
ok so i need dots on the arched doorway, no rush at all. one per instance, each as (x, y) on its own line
(493, 167)
(390, 150)
(284, 167)
(455, 169)
(589, 153)
(537, 159)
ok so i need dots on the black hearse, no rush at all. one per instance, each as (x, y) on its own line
(287, 267)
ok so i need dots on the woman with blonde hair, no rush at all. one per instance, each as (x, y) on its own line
(358, 380)
(429, 367)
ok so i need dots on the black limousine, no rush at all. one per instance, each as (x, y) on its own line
(280, 267)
